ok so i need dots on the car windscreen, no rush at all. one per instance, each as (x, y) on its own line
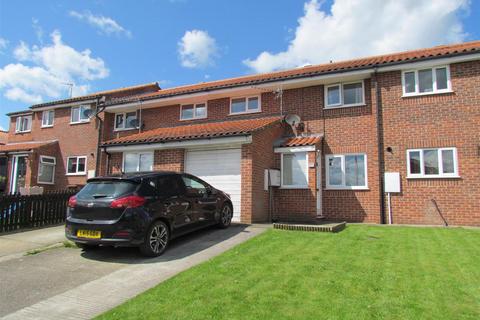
(106, 189)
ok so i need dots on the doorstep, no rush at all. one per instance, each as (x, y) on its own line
(323, 226)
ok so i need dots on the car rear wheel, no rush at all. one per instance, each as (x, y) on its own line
(156, 239)
(225, 216)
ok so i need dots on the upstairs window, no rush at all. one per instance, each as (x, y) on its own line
(76, 166)
(23, 124)
(47, 118)
(432, 163)
(46, 170)
(347, 171)
(344, 95)
(193, 111)
(426, 81)
(126, 121)
(80, 114)
(245, 105)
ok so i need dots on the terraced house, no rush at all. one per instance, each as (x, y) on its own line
(413, 115)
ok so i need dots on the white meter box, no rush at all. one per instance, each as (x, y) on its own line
(392, 182)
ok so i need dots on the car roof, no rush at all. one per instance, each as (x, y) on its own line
(133, 176)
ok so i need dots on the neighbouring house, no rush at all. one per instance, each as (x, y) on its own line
(55, 145)
(415, 114)
(3, 163)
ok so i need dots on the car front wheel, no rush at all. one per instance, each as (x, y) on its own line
(225, 216)
(156, 239)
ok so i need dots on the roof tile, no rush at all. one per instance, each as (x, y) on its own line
(301, 141)
(24, 146)
(196, 131)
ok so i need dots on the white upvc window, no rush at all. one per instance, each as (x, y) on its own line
(23, 124)
(77, 166)
(46, 170)
(294, 169)
(48, 117)
(79, 114)
(126, 121)
(426, 81)
(346, 171)
(138, 161)
(347, 94)
(432, 163)
(245, 105)
(193, 111)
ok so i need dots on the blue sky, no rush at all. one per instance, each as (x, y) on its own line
(105, 44)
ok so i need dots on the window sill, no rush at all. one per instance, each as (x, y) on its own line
(345, 106)
(76, 174)
(127, 129)
(47, 183)
(193, 119)
(82, 122)
(433, 177)
(246, 112)
(22, 132)
(294, 188)
(46, 127)
(410, 95)
(346, 188)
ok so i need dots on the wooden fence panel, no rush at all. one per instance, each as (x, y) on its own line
(33, 211)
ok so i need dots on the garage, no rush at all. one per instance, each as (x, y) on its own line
(220, 168)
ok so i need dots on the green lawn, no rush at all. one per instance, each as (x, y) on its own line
(363, 272)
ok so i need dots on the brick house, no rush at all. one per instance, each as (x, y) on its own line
(414, 113)
(55, 145)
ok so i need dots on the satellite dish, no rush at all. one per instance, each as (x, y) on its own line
(293, 121)
(87, 113)
(102, 100)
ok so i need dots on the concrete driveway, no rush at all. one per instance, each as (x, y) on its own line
(68, 283)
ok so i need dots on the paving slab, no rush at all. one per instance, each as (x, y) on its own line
(117, 275)
(16, 244)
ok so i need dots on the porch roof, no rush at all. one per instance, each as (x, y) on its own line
(24, 146)
(197, 131)
(301, 141)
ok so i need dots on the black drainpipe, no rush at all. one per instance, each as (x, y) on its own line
(99, 139)
(381, 153)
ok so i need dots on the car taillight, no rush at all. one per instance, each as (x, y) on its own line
(128, 202)
(72, 202)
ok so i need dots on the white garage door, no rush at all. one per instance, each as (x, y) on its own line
(220, 168)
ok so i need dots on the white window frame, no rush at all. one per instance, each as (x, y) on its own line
(246, 105)
(285, 186)
(341, 104)
(79, 114)
(124, 114)
(138, 154)
(77, 173)
(194, 111)
(54, 165)
(440, 175)
(44, 113)
(343, 186)
(434, 79)
(19, 124)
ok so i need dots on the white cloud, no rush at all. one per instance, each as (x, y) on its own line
(38, 30)
(43, 71)
(362, 28)
(197, 49)
(3, 44)
(106, 25)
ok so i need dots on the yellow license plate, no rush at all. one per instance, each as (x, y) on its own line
(90, 234)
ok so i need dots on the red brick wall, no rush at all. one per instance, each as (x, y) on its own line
(444, 120)
(73, 140)
(164, 160)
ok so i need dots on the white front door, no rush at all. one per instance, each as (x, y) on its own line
(221, 169)
(319, 184)
(19, 172)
